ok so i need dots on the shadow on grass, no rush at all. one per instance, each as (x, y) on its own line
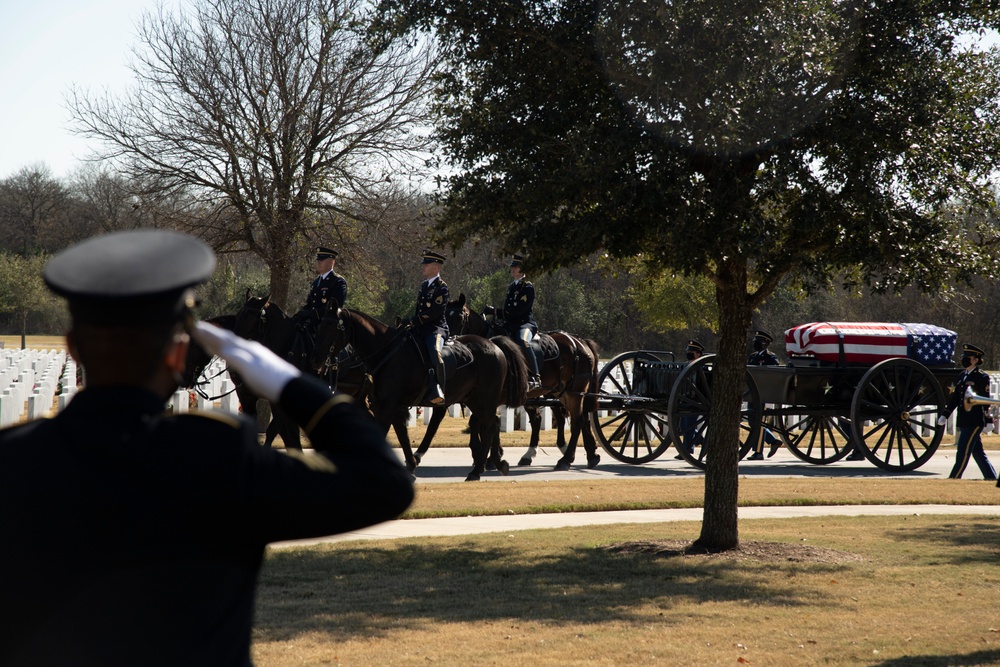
(973, 542)
(365, 592)
(977, 659)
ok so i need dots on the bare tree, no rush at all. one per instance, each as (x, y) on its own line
(33, 205)
(282, 119)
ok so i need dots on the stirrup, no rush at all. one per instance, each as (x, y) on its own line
(435, 395)
(534, 382)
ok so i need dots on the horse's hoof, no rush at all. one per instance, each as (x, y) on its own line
(411, 466)
(490, 466)
(525, 461)
(473, 477)
(416, 459)
(592, 461)
(562, 465)
(504, 468)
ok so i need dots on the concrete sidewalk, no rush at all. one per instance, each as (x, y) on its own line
(507, 523)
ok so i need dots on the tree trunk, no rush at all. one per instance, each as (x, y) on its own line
(281, 275)
(719, 529)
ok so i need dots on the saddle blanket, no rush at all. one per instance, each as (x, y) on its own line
(870, 342)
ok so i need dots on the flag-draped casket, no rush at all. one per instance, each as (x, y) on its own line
(870, 342)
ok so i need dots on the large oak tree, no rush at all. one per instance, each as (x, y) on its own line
(740, 140)
(282, 120)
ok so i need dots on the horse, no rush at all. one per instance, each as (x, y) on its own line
(480, 378)
(198, 359)
(568, 372)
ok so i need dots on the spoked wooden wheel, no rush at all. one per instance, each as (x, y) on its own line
(894, 414)
(690, 403)
(634, 430)
(818, 439)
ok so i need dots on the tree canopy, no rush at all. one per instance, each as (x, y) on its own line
(742, 141)
(283, 120)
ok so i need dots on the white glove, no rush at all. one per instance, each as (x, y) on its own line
(942, 420)
(264, 372)
(988, 428)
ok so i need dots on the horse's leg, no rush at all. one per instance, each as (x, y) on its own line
(287, 428)
(574, 407)
(490, 432)
(272, 432)
(589, 442)
(478, 450)
(559, 418)
(398, 421)
(535, 421)
(437, 416)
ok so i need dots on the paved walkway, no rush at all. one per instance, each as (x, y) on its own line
(452, 464)
(508, 523)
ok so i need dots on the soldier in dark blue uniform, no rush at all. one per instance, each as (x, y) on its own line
(761, 356)
(690, 437)
(972, 421)
(328, 288)
(133, 537)
(518, 318)
(429, 323)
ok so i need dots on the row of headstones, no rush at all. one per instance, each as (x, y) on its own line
(511, 419)
(215, 386)
(29, 382)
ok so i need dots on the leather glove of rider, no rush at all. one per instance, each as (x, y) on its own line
(264, 372)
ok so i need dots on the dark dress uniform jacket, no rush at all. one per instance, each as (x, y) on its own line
(763, 358)
(135, 538)
(432, 303)
(517, 307)
(323, 290)
(980, 383)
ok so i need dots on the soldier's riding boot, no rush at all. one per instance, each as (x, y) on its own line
(435, 394)
(535, 381)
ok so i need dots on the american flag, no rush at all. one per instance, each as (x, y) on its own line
(870, 342)
(929, 344)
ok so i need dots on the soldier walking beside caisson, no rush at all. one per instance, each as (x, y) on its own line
(972, 421)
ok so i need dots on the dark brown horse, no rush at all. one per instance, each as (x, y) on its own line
(479, 379)
(198, 359)
(568, 373)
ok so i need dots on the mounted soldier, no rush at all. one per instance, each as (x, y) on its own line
(518, 320)
(329, 287)
(429, 324)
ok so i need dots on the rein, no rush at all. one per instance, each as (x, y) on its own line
(349, 340)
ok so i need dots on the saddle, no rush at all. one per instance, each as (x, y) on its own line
(544, 348)
(454, 355)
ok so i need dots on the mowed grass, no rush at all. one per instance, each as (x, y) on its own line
(879, 591)
(34, 342)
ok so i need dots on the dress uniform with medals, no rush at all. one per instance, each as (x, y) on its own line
(518, 318)
(327, 288)
(135, 537)
(429, 321)
(972, 421)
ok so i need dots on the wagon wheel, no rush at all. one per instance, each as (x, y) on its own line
(638, 433)
(895, 396)
(818, 439)
(690, 402)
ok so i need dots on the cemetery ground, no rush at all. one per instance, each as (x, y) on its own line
(881, 591)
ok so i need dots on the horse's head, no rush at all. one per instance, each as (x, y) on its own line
(457, 316)
(252, 316)
(331, 337)
(197, 359)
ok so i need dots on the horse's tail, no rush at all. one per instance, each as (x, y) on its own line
(590, 402)
(517, 371)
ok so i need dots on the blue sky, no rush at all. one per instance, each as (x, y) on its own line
(45, 47)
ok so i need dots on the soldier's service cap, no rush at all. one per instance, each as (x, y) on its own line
(135, 278)
(323, 252)
(763, 335)
(972, 350)
(695, 346)
(517, 260)
(431, 257)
